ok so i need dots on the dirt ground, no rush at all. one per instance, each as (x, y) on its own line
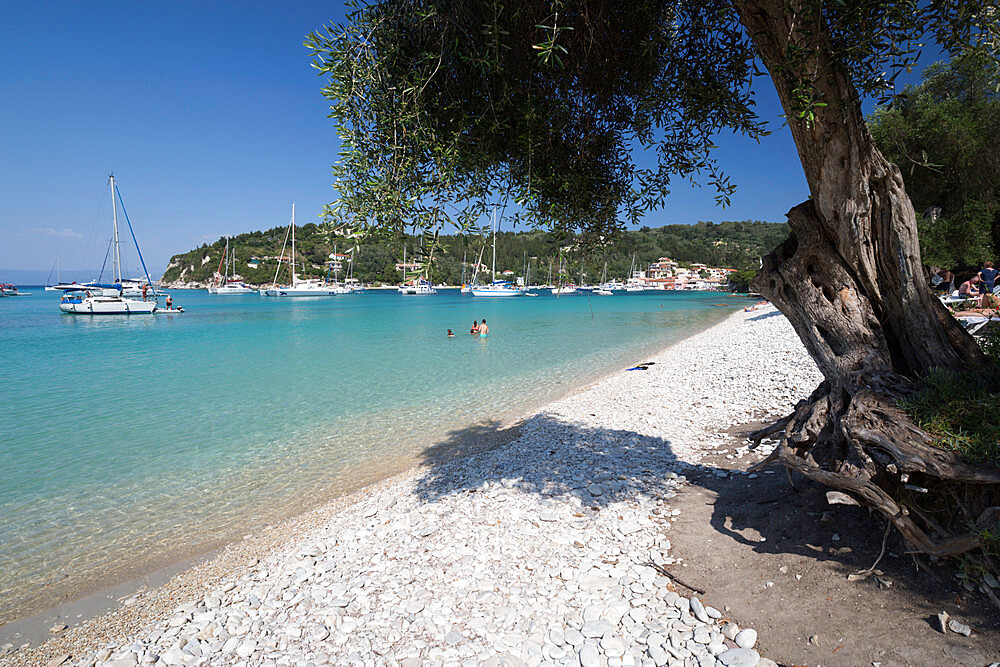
(778, 561)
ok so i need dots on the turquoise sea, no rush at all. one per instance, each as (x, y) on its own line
(128, 442)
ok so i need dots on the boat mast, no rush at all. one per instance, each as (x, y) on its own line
(494, 244)
(292, 263)
(114, 218)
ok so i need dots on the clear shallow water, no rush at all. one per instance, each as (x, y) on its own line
(126, 442)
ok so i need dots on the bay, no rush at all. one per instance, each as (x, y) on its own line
(127, 442)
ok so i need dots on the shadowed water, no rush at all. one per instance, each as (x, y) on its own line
(131, 441)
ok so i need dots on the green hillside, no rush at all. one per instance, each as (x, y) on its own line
(735, 245)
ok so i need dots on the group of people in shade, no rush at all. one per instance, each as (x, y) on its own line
(480, 328)
(982, 287)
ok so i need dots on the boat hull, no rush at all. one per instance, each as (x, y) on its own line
(108, 306)
(291, 291)
(496, 293)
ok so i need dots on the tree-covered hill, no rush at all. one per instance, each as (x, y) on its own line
(727, 244)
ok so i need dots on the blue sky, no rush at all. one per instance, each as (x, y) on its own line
(211, 118)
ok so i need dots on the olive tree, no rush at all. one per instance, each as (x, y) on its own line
(441, 104)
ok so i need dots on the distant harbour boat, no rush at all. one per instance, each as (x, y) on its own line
(226, 285)
(419, 287)
(11, 290)
(498, 288)
(297, 287)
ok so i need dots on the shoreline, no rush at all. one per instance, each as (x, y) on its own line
(90, 601)
(243, 555)
(133, 564)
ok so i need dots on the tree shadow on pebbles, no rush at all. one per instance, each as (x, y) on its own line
(549, 457)
(737, 534)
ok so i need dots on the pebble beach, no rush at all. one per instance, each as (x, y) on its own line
(551, 549)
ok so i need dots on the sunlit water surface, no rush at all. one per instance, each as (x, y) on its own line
(129, 441)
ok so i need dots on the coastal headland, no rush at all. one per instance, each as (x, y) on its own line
(616, 526)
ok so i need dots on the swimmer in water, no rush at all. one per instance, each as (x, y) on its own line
(483, 329)
(475, 328)
(450, 334)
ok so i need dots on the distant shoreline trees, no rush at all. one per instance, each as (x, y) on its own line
(730, 244)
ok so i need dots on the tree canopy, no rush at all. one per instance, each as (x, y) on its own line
(442, 104)
(945, 135)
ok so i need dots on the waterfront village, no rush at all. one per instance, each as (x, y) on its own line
(663, 274)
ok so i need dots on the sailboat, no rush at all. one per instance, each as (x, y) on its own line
(351, 284)
(415, 286)
(568, 288)
(49, 286)
(634, 282)
(497, 287)
(94, 299)
(225, 284)
(465, 287)
(604, 289)
(296, 287)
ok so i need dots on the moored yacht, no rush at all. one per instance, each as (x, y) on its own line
(96, 299)
(310, 287)
(226, 283)
(497, 287)
(82, 302)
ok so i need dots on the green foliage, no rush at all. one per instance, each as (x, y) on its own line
(944, 136)
(962, 413)
(442, 104)
(727, 244)
(741, 279)
(989, 538)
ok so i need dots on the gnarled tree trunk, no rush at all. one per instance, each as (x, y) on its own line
(850, 280)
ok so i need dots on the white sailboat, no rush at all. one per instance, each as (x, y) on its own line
(497, 287)
(297, 287)
(568, 288)
(417, 285)
(49, 286)
(634, 282)
(94, 299)
(604, 289)
(225, 284)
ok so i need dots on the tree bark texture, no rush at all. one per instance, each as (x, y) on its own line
(850, 280)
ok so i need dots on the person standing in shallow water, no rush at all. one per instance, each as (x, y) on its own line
(483, 329)
(475, 328)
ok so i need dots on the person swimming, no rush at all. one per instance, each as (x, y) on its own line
(450, 334)
(483, 329)
(475, 327)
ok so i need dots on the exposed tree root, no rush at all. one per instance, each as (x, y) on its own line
(868, 448)
(849, 434)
